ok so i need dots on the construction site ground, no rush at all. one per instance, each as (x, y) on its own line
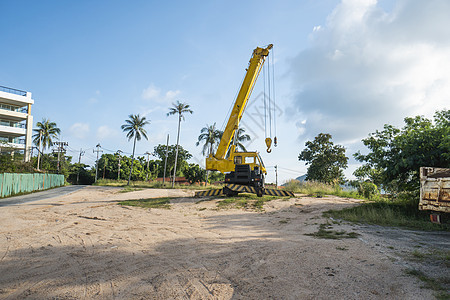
(85, 246)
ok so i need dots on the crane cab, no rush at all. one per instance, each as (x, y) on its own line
(248, 170)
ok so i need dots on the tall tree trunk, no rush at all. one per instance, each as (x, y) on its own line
(176, 152)
(39, 151)
(132, 160)
(207, 171)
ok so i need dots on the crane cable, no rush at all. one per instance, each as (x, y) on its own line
(274, 103)
(265, 103)
(270, 106)
(267, 110)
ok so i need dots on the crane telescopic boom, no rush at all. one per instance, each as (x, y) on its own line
(253, 70)
(244, 171)
(244, 168)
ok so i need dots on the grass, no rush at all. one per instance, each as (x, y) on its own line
(244, 200)
(434, 256)
(128, 189)
(318, 189)
(342, 248)
(152, 185)
(432, 283)
(148, 203)
(324, 233)
(402, 212)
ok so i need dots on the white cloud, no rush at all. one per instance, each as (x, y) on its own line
(171, 95)
(367, 67)
(154, 93)
(151, 92)
(104, 132)
(79, 130)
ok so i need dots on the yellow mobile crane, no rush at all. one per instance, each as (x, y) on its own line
(244, 171)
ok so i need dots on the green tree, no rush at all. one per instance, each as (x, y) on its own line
(13, 163)
(82, 173)
(44, 135)
(194, 173)
(216, 176)
(180, 109)
(397, 154)
(326, 161)
(210, 136)
(239, 138)
(182, 157)
(134, 127)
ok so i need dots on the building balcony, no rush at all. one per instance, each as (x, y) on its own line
(15, 97)
(17, 146)
(13, 115)
(12, 131)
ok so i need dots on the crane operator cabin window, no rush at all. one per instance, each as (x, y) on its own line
(249, 160)
(238, 160)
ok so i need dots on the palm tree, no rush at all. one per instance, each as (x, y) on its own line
(240, 137)
(44, 134)
(134, 127)
(211, 136)
(178, 108)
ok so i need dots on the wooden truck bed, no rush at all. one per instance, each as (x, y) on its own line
(435, 189)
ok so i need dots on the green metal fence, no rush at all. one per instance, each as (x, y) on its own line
(12, 183)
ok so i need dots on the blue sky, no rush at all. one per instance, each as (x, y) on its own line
(342, 67)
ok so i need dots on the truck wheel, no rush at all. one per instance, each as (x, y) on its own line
(229, 193)
(259, 192)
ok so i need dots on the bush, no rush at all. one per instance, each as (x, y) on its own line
(368, 190)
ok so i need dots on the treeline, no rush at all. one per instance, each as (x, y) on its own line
(393, 159)
(108, 166)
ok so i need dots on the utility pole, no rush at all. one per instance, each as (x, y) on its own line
(79, 162)
(60, 149)
(118, 172)
(276, 176)
(96, 162)
(165, 162)
(176, 152)
(81, 154)
(148, 159)
(39, 150)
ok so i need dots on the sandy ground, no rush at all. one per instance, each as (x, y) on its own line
(85, 246)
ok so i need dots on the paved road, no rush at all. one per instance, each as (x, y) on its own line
(61, 191)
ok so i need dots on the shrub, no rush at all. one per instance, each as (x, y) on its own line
(368, 190)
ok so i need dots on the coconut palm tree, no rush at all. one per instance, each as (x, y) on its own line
(210, 136)
(45, 132)
(134, 127)
(43, 136)
(180, 109)
(240, 137)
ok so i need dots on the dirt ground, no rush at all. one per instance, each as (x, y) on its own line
(85, 246)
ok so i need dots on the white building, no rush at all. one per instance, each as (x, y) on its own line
(16, 121)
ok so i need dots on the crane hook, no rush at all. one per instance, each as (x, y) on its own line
(269, 144)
